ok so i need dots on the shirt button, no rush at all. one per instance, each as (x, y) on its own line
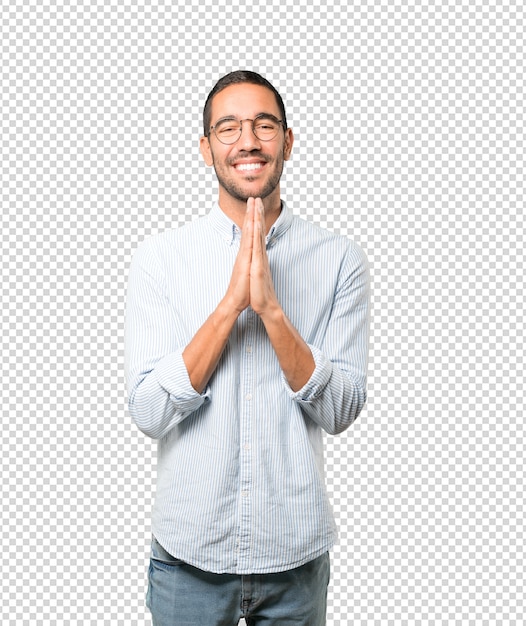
(244, 493)
(249, 349)
(248, 396)
(246, 446)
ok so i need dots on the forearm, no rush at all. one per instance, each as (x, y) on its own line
(202, 354)
(294, 355)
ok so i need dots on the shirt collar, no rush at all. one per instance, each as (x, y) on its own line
(229, 230)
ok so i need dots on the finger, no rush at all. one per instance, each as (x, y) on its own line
(247, 232)
(261, 229)
(249, 215)
(259, 208)
(258, 226)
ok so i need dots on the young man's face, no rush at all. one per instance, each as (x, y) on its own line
(249, 167)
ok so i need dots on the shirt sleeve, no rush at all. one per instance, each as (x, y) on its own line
(337, 389)
(160, 394)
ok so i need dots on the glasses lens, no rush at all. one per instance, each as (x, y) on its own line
(266, 128)
(228, 131)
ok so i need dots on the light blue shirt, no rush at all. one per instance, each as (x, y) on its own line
(240, 476)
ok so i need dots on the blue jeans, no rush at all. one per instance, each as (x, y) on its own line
(182, 595)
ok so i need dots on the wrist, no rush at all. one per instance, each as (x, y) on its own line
(273, 315)
(226, 312)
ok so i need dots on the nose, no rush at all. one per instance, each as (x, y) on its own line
(248, 140)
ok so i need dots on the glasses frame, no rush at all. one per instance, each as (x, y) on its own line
(247, 119)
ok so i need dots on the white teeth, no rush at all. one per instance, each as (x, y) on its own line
(248, 166)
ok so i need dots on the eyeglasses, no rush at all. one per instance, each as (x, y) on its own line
(265, 127)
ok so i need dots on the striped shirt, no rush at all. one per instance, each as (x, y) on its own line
(240, 476)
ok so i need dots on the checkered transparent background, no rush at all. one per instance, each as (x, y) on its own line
(409, 123)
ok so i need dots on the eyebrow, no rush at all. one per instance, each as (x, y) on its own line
(233, 117)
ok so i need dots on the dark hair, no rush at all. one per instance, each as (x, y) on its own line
(236, 78)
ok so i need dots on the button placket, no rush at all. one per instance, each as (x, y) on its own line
(246, 416)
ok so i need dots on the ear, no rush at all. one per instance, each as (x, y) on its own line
(289, 140)
(206, 152)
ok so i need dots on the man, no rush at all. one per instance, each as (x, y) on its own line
(247, 336)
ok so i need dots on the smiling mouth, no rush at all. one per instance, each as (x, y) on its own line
(248, 167)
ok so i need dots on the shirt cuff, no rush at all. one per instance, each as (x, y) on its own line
(316, 383)
(173, 376)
